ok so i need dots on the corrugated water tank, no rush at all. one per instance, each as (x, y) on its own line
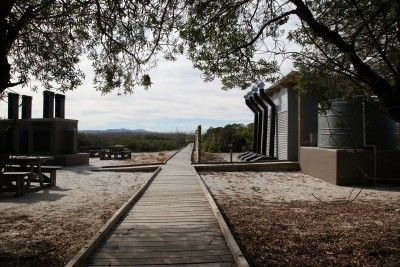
(342, 126)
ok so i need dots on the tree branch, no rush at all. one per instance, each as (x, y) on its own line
(261, 30)
(379, 85)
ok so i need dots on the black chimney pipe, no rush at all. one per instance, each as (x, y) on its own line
(48, 104)
(60, 106)
(259, 122)
(255, 122)
(26, 107)
(273, 122)
(264, 120)
(13, 100)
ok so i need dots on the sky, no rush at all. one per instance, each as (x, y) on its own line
(178, 100)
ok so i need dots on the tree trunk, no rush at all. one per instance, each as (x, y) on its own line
(5, 69)
(388, 94)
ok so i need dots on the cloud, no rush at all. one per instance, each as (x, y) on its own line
(178, 99)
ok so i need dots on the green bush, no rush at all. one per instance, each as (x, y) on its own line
(218, 139)
(146, 142)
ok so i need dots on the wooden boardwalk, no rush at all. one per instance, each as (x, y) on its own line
(172, 224)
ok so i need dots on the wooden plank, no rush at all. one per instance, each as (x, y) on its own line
(121, 230)
(170, 220)
(165, 238)
(166, 224)
(163, 254)
(142, 249)
(172, 224)
(121, 242)
(159, 260)
(240, 260)
(105, 229)
(167, 213)
(220, 264)
(129, 169)
(162, 234)
(171, 216)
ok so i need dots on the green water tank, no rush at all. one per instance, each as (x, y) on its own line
(342, 126)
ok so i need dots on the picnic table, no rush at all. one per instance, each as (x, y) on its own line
(25, 170)
(30, 163)
(115, 152)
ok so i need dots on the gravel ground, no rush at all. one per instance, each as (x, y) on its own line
(137, 158)
(48, 227)
(278, 222)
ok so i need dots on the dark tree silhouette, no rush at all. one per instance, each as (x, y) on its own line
(233, 40)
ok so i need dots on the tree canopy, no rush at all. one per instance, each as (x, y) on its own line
(46, 39)
(236, 41)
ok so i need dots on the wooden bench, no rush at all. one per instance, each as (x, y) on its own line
(121, 154)
(51, 170)
(7, 179)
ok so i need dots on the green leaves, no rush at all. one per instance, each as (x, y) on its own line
(239, 42)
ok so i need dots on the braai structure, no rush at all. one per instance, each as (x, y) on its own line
(51, 135)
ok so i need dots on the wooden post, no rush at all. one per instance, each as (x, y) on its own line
(199, 143)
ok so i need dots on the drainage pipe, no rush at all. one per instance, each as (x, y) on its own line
(248, 103)
(264, 121)
(259, 122)
(271, 103)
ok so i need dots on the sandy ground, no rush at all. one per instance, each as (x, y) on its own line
(289, 186)
(137, 158)
(278, 220)
(48, 227)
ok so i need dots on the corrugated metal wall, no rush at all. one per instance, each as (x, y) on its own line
(280, 99)
(286, 124)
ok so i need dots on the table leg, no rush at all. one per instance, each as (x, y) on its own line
(40, 174)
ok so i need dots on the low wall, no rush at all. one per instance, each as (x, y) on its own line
(237, 167)
(350, 167)
(70, 159)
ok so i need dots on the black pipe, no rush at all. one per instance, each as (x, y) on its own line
(48, 104)
(13, 100)
(273, 122)
(60, 106)
(26, 107)
(264, 124)
(247, 101)
(259, 123)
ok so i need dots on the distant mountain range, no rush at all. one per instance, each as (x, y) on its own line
(122, 130)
